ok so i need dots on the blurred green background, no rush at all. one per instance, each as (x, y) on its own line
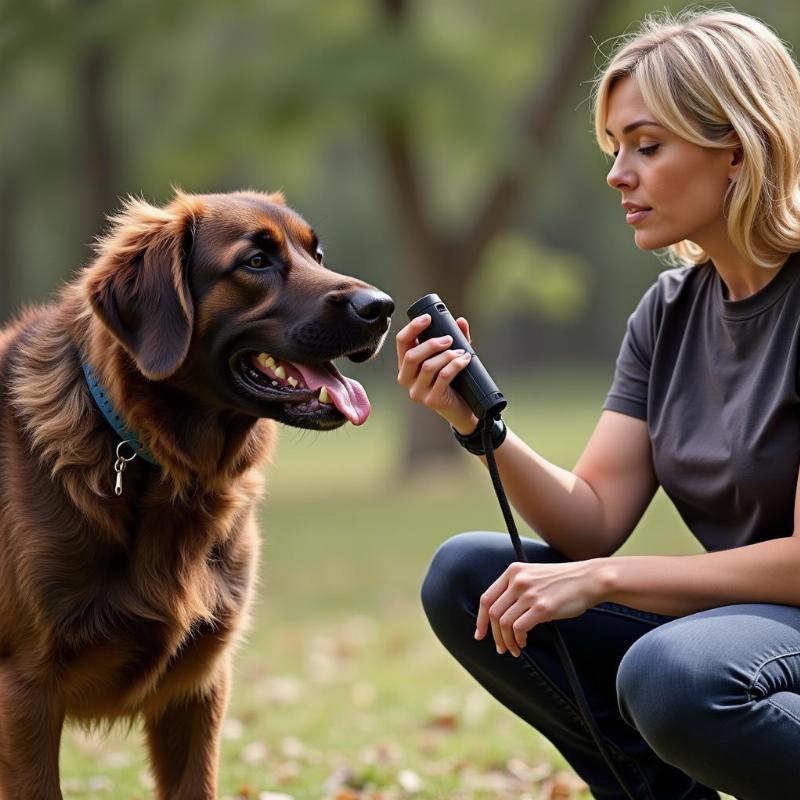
(435, 146)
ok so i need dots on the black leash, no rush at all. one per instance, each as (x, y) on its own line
(560, 645)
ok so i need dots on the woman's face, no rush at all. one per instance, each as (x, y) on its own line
(681, 183)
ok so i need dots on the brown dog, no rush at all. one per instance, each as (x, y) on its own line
(199, 321)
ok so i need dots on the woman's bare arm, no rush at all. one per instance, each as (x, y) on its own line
(584, 513)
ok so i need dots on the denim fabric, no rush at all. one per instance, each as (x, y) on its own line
(707, 700)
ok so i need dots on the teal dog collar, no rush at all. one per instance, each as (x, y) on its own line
(114, 419)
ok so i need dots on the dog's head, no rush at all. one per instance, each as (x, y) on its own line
(227, 297)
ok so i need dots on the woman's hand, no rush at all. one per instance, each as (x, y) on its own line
(527, 594)
(428, 369)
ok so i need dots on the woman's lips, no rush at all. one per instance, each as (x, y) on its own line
(633, 217)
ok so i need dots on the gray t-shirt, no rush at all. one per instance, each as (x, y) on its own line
(717, 382)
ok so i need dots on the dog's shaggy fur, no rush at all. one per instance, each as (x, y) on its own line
(126, 607)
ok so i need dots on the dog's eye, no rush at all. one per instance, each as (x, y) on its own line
(257, 261)
(319, 255)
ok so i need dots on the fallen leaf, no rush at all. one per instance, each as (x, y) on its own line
(346, 794)
(563, 786)
(286, 771)
(255, 753)
(409, 781)
(280, 690)
(444, 714)
(382, 754)
(292, 747)
(340, 776)
(232, 729)
(100, 783)
(527, 773)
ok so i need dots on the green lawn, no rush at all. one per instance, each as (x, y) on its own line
(341, 690)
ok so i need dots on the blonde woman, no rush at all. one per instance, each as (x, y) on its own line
(691, 664)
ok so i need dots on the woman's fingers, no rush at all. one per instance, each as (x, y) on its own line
(438, 394)
(495, 601)
(509, 610)
(496, 612)
(486, 601)
(523, 624)
(407, 336)
(428, 368)
(415, 357)
(515, 624)
(506, 632)
(428, 380)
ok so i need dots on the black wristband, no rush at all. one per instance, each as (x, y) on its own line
(473, 443)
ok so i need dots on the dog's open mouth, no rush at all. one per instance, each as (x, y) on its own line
(311, 389)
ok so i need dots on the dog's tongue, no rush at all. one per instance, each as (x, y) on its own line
(347, 395)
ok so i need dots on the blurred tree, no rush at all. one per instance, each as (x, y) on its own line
(7, 227)
(447, 259)
(99, 151)
(426, 142)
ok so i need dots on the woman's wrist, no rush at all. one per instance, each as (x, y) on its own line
(605, 574)
(474, 442)
(465, 426)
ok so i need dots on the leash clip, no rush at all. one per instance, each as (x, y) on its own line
(120, 464)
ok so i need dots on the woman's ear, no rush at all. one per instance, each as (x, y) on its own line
(736, 163)
(138, 285)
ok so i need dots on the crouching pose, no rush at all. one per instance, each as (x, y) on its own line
(691, 664)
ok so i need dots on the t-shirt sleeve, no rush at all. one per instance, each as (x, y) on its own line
(628, 392)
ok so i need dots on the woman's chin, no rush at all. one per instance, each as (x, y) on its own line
(646, 240)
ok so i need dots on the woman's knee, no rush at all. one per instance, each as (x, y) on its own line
(452, 576)
(464, 566)
(669, 690)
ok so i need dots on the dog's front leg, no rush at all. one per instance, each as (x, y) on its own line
(183, 741)
(31, 719)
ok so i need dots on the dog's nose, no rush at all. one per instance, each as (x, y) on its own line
(372, 306)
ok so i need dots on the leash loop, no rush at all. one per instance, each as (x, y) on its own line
(122, 458)
(550, 627)
(121, 463)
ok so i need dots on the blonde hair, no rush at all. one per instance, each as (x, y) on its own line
(722, 79)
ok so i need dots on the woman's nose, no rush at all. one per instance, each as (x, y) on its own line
(618, 176)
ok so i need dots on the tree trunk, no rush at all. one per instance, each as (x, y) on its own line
(8, 221)
(443, 264)
(99, 155)
(429, 435)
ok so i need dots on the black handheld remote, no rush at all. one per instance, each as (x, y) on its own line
(474, 383)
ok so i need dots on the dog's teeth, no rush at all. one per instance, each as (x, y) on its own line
(323, 395)
(292, 382)
(270, 362)
(262, 359)
(281, 373)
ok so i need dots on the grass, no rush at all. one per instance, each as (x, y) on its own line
(341, 690)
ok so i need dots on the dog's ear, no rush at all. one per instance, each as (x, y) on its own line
(138, 285)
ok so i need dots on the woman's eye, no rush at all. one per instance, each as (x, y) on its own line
(319, 255)
(645, 151)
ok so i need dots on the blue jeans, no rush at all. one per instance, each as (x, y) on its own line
(686, 703)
